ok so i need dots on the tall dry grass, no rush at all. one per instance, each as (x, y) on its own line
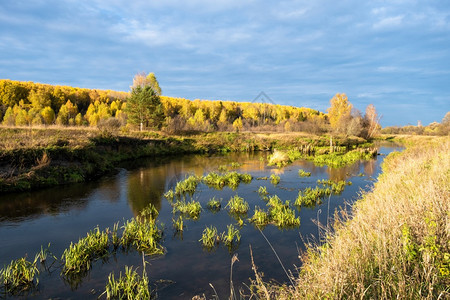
(395, 244)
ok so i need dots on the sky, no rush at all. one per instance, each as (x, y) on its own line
(392, 54)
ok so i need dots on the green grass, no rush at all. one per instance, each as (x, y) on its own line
(260, 217)
(274, 179)
(230, 179)
(178, 224)
(281, 215)
(19, 276)
(209, 238)
(310, 197)
(338, 160)
(143, 233)
(214, 205)
(231, 237)
(262, 192)
(191, 209)
(337, 187)
(187, 186)
(303, 173)
(130, 285)
(78, 257)
(237, 205)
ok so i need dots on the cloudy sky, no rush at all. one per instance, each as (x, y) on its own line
(394, 54)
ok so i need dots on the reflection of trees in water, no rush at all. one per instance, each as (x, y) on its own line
(343, 173)
(148, 184)
(369, 167)
(56, 200)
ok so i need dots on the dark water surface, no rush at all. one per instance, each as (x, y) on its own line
(64, 214)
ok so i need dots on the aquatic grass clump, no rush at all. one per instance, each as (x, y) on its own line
(19, 276)
(231, 179)
(144, 235)
(237, 205)
(336, 187)
(274, 179)
(209, 238)
(187, 186)
(338, 160)
(303, 173)
(191, 209)
(281, 215)
(78, 257)
(169, 195)
(260, 217)
(311, 197)
(178, 224)
(231, 237)
(262, 192)
(128, 286)
(278, 158)
(214, 205)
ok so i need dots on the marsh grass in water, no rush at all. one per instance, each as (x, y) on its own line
(262, 192)
(231, 237)
(260, 217)
(130, 285)
(210, 238)
(303, 173)
(187, 186)
(237, 205)
(310, 197)
(191, 209)
(178, 224)
(214, 205)
(78, 257)
(338, 160)
(337, 187)
(230, 179)
(281, 215)
(19, 276)
(274, 179)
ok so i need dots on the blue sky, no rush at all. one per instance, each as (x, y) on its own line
(394, 54)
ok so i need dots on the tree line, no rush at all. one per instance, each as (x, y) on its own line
(28, 104)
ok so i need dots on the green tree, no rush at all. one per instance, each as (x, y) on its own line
(144, 107)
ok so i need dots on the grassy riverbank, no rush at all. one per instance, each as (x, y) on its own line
(395, 244)
(32, 158)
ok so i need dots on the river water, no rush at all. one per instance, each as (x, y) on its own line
(64, 214)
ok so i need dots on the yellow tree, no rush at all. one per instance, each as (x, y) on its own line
(339, 112)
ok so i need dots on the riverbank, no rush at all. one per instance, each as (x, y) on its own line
(394, 244)
(33, 158)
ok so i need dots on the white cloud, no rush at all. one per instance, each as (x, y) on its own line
(389, 22)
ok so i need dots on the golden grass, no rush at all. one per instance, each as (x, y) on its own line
(396, 244)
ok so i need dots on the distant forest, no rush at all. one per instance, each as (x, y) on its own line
(29, 103)
(36, 104)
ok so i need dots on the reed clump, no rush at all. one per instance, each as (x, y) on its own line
(187, 186)
(214, 204)
(280, 214)
(303, 173)
(237, 205)
(278, 158)
(78, 257)
(210, 238)
(262, 192)
(231, 237)
(191, 209)
(260, 217)
(274, 179)
(394, 245)
(230, 179)
(130, 285)
(19, 276)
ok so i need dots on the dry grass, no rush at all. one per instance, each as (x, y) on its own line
(396, 244)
